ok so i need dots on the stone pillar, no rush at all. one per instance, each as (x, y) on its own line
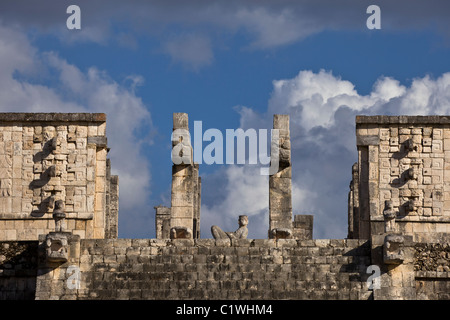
(353, 204)
(183, 184)
(162, 222)
(197, 202)
(280, 185)
(112, 204)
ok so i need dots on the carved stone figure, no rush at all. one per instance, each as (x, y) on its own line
(410, 145)
(389, 216)
(59, 216)
(413, 204)
(412, 173)
(240, 233)
(393, 249)
(56, 247)
(48, 133)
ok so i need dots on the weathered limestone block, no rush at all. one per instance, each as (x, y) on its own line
(162, 222)
(185, 220)
(43, 157)
(180, 232)
(280, 185)
(59, 216)
(408, 166)
(303, 226)
(389, 216)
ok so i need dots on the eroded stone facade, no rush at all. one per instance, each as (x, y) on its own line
(399, 199)
(404, 160)
(398, 216)
(49, 157)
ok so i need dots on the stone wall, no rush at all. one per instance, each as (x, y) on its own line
(214, 269)
(46, 157)
(399, 199)
(207, 269)
(398, 215)
(404, 160)
(432, 268)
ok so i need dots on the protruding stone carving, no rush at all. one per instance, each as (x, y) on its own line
(389, 216)
(180, 232)
(393, 252)
(413, 203)
(47, 203)
(56, 247)
(52, 171)
(412, 173)
(280, 233)
(57, 141)
(240, 233)
(59, 216)
(410, 145)
(48, 133)
(285, 151)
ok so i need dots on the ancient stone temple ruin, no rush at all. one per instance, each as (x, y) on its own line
(182, 219)
(59, 214)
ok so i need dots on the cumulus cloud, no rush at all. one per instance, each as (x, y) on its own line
(75, 90)
(238, 181)
(322, 109)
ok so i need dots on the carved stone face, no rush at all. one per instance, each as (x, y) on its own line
(56, 248)
(243, 221)
(389, 212)
(59, 205)
(48, 133)
(393, 249)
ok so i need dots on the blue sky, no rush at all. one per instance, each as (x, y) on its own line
(229, 64)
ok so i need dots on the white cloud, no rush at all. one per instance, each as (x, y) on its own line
(274, 28)
(245, 193)
(322, 109)
(387, 88)
(315, 96)
(427, 96)
(81, 91)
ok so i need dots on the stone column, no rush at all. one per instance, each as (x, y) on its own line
(112, 203)
(197, 202)
(280, 185)
(183, 184)
(353, 204)
(162, 222)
